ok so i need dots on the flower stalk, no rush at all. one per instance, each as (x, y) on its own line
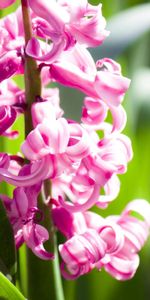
(37, 269)
(31, 73)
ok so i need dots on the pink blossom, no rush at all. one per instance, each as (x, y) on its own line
(12, 101)
(98, 169)
(4, 160)
(86, 23)
(111, 191)
(11, 32)
(76, 69)
(46, 109)
(10, 64)
(81, 252)
(67, 141)
(95, 111)
(65, 23)
(12, 163)
(39, 170)
(123, 264)
(11, 94)
(55, 17)
(119, 237)
(81, 160)
(24, 219)
(68, 223)
(116, 151)
(7, 118)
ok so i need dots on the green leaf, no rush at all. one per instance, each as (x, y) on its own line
(7, 248)
(125, 28)
(8, 291)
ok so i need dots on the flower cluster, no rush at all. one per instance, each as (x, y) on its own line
(82, 161)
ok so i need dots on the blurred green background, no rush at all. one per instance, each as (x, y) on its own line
(129, 44)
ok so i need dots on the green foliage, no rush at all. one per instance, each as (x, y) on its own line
(7, 248)
(8, 291)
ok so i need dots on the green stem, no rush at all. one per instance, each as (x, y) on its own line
(31, 72)
(56, 273)
(44, 279)
(58, 288)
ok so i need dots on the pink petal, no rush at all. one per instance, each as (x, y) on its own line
(6, 3)
(122, 268)
(34, 236)
(111, 87)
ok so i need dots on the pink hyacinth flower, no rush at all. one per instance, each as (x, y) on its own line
(12, 95)
(68, 223)
(119, 237)
(7, 118)
(97, 170)
(86, 22)
(39, 170)
(123, 264)
(4, 161)
(66, 143)
(77, 69)
(65, 23)
(11, 32)
(81, 252)
(95, 111)
(10, 64)
(24, 220)
(54, 16)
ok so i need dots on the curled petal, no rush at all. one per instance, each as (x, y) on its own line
(54, 14)
(111, 87)
(4, 160)
(98, 169)
(94, 111)
(113, 236)
(87, 23)
(33, 50)
(119, 117)
(56, 17)
(78, 189)
(111, 189)
(40, 171)
(108, 64)
(116, 151)
(76, 207)
(136, 233)
(35, 235)
(78, 146)
(42, 110)
(140, 206)
(7, 117)
(80, 72)
(68, 223)
(123, 268)
(93, 220)
(81, 252)
(46, 138)
(11, 134)
(52, 96)
(10, 64)
(136, 227)
(68, 74)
